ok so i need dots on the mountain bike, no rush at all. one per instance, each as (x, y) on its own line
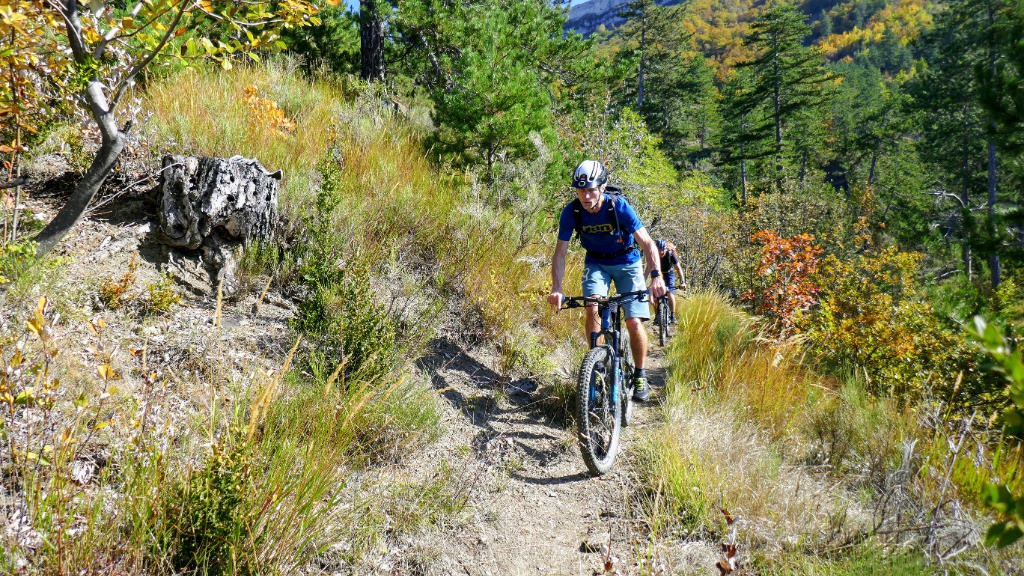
(661, 315)
(604, 385)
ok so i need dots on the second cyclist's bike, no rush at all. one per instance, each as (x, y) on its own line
(661, 316)
(604, 385)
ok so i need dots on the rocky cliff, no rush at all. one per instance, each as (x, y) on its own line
(587, 17)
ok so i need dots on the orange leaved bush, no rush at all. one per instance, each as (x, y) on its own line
(782, 283)
(265, 113)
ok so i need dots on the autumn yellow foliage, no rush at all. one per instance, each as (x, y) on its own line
(904, 19)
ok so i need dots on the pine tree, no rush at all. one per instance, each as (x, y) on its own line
(1001, 89)
(333, 43)
(490, 78)
(747, 133)
(651, 43)
(960, 134)
(785, 99)
(654, 32)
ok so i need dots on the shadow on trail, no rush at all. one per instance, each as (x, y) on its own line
(511, 417)
(553, 481)
(508, 414)
(447, 356)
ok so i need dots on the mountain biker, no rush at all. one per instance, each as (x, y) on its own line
(670, 266)
(611, 233)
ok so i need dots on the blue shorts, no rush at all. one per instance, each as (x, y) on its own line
(597, 279)
(670, 282)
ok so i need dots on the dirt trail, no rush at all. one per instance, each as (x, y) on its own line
(536, 509)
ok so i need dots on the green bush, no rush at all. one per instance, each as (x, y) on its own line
(205, 509)
(162, 295)
(340, 313)
(264, 499)
(1007, 362)
(15, 258)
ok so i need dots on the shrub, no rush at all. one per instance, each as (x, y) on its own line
(15, 257)
(51, 430)
(162, 295)
(783, 281)
(265, 496)
(114, 292)
(707, 240)
(822, 215)
(872, 317)
(339, 311)
(998, 497)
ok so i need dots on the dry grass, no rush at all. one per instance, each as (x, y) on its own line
(153, 462)
(392, 201)
(204, 112)
(820, 476)
(721, 348)
(706, 459)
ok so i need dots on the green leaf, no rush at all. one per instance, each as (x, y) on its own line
(1010, 534)
(24, 397)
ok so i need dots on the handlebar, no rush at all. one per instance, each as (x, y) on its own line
(581, 301)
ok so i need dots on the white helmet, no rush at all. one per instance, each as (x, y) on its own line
(589, 174)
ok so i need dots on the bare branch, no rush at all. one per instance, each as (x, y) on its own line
(941, 195)
(68, 10)
(123, 83)
(14, 183)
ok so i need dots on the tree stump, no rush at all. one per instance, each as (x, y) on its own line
(215, 205)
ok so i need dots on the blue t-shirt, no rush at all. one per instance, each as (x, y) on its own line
(598, 232)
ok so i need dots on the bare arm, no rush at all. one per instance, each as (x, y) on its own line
(679, 270)
(557, 273)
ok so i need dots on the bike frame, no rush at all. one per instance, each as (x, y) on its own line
(662, 301)
(610, 310)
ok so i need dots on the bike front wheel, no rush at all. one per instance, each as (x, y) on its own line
(662, 322)
(628, 370)
(599, 413)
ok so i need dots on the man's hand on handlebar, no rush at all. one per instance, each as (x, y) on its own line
(657, 287)
(555, 299)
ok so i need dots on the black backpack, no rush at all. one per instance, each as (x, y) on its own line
(615, 195)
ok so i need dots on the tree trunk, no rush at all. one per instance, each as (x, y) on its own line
(371, 41)
(643, 46)
(965, 205)
(110, 149)
(777, 97)
(993, 259)
(871, 171)
(743, 175)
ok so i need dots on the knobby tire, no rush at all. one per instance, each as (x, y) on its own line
(627, 390)
(662, 322)
(598, 418)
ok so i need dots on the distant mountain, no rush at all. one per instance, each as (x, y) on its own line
(587, 17)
